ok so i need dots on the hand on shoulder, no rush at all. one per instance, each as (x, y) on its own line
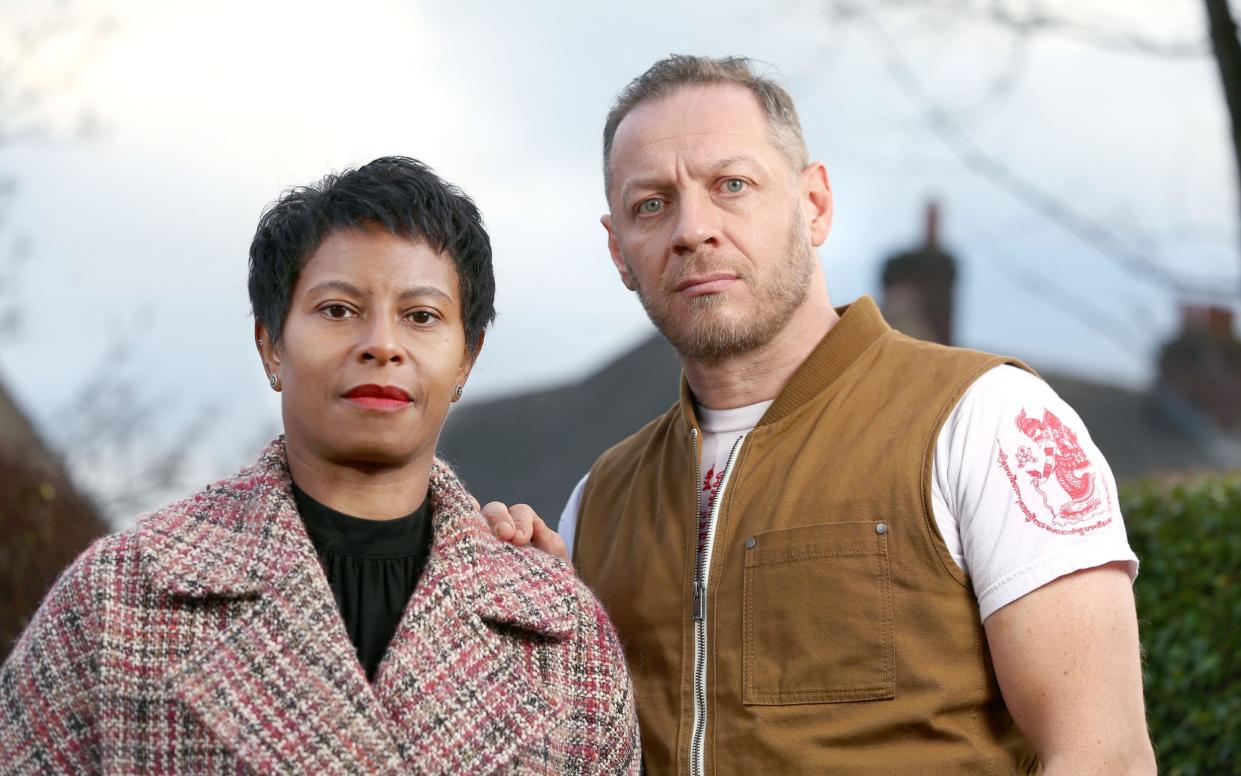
(520, 525)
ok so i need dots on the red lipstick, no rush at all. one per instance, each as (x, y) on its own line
(385, 398)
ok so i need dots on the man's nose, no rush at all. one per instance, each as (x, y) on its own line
(381, 340)
(697, 223)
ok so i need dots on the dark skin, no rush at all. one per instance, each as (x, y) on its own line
(369, 308)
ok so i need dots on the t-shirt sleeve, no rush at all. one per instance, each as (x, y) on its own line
(1033, 497)
(567, 526)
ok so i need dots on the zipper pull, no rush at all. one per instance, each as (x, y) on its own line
(700, 603)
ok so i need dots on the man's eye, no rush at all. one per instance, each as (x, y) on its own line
(734, 185)
(422, 317)
(336, 311)
(651, 205)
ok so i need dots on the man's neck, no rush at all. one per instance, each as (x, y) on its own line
(368, 491)
(760, 374)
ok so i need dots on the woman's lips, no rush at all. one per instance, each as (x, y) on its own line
(385, 398)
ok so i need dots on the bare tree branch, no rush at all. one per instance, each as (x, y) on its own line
(39, 65)
(1033, 19)
(108, 434)
(1227, 49)
(1105, 240)
(1134, 344)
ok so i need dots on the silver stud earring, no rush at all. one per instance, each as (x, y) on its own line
(459, 387)
(259, 342)
(275, 382)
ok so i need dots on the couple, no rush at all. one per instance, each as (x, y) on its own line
(835, 554)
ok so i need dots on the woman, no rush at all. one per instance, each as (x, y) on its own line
(336, 607)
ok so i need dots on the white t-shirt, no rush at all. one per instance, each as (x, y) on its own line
(1020, 493)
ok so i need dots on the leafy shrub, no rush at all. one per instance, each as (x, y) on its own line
(1188, 537)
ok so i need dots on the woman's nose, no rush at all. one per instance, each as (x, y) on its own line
(381, 341)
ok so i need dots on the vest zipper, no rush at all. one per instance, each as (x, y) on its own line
(702, 571)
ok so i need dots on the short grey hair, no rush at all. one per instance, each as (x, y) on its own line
(679, 70)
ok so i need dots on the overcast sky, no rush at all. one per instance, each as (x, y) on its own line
(139, 233)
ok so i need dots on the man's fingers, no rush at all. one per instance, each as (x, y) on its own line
(501, 522)
(523, 519)
(548, 540)
(520, 525)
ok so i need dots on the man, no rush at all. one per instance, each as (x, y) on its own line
(843, 550)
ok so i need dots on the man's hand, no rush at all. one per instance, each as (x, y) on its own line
(519, 525)
(1067, 659)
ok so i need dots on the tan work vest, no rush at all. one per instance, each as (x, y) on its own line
(837, 634)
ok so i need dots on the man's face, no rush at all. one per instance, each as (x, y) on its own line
(709, 223)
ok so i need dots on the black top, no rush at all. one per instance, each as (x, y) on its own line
(372, 567)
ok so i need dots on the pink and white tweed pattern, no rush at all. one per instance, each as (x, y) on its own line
(207, 641)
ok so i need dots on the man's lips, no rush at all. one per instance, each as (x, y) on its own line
(378, 397)
(700, 285)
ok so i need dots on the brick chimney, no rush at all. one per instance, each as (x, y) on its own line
(1203, 364)
(919, 285)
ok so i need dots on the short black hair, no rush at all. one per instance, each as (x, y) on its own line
(401, 194)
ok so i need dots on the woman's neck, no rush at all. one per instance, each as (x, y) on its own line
(368, 490)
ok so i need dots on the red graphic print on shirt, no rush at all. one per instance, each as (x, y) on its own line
(1054, 472)
(710, 489)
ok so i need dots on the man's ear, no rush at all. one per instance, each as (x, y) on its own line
(617, 259)
(267, 350)
(817, 202)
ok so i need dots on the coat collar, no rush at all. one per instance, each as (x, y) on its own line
(455, 693)
(239, 537)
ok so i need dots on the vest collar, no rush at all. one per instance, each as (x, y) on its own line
(860, 326)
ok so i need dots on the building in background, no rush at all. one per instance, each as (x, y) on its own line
(534, 447)
(44, 522)
(919, 286)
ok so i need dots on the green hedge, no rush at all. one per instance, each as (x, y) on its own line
(1188, 537)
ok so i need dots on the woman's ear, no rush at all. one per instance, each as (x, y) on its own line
(268, 353)
(467, 364)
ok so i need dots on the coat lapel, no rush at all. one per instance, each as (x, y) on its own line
(458, 690)
(281, 685)
(460, 680)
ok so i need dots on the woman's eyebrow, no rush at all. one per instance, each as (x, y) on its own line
(417, 291)
(350, 289)
(337, 285)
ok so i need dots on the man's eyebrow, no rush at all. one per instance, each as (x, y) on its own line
(715, 168)
(649, 182)
(731, 161)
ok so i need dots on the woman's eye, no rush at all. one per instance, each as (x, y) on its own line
(649, 206)
(734, 185)
(336, 311)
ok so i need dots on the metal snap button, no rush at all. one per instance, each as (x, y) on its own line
(881, 528)
(749, 543)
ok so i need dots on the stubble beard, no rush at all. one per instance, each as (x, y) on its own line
(709, 336)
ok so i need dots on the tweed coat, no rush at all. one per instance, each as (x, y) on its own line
(207, 641)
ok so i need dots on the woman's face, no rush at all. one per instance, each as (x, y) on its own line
(372, 351)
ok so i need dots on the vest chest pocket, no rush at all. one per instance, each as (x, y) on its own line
(817, 615)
